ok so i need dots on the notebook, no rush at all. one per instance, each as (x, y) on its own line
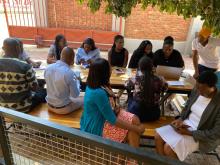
(169, 73)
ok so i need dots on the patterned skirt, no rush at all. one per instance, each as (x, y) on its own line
(115, 133)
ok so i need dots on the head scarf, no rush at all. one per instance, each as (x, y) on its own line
(205, 32)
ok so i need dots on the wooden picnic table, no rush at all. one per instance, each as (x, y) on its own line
(118, 80)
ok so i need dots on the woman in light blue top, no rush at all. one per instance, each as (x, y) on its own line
(87, 53)
(97, 107)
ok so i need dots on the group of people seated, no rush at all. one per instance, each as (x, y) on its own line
(197, 128)
(118, 55)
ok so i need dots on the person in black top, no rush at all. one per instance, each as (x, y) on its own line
(118, 55)
(145, 48)
(168, 56)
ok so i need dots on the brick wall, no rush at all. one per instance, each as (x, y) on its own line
(69, 14)
(152, 24)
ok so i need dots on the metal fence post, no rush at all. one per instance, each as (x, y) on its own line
(5, 147)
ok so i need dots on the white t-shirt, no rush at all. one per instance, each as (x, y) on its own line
(208, 55)
(197, 110)
(52, 50)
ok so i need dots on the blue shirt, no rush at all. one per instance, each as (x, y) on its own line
(97, 110)
(91, 55)
(62, 84)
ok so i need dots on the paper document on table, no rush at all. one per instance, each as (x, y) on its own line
(175, 83)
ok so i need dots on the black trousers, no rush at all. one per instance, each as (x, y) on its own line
(204, 69)
(39, 97)
(145, 113)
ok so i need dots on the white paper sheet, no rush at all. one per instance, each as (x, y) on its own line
(175, 83)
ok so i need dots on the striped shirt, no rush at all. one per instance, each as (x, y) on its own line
(16, 80)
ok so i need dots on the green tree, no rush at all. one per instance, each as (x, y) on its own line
(209, 10)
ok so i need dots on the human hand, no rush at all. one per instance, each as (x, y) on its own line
(183, 130)
(140, 129)
(177, 123)
(196, 75)
(36, 64)
(82, 61)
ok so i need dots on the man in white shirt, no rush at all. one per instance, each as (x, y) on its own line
(205, 55)
(63, 86)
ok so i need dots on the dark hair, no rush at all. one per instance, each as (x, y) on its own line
(20, 44)
(89, 41)
(116, 38)
(209, 78)
(56, 43)
(142, 46)
(168, 40)
(99, 73)
(146, 66)
(13, 47)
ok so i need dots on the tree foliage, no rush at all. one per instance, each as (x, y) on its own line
(209, 10)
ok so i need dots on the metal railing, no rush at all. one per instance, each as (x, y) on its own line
(29, 140)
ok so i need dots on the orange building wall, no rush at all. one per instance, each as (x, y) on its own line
(141, 24)
(152, 24)
(70, 14)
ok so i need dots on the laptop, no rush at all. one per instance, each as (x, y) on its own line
(168, 72)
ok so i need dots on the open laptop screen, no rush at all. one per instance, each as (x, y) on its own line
(169, 73)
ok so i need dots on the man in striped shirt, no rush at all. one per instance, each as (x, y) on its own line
(17, 79)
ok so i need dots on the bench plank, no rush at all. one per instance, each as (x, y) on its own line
(73, 119)
(70, 120)
(152, 125)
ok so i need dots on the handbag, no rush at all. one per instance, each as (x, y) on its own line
(114, 100)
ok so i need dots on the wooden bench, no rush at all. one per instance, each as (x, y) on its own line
(70, 120)
(73, 119)
(151, 126)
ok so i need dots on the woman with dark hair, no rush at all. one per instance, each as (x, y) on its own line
(198, 127)
(56, 48)
(99, 116)
(147, 88)
(118, 55)
(168, 56)
(87, 52)
(145, 48)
